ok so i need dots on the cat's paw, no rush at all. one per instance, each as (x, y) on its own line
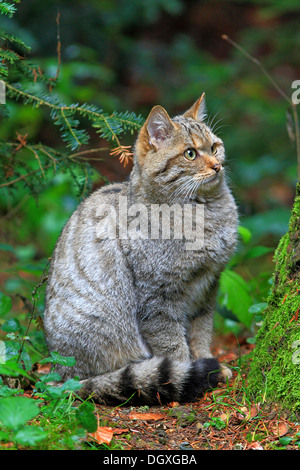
(225, 373)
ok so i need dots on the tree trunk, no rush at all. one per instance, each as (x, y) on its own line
(275, 366)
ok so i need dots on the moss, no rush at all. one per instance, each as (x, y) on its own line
(275, 371)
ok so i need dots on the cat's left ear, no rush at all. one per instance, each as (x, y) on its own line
(198, 110)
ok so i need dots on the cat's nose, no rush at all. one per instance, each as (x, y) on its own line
(217, 167)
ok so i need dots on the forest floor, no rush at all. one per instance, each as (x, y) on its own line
(224, 419)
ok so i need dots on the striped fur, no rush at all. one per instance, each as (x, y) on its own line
(137, 314)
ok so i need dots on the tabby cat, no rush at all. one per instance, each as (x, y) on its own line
(136, 312)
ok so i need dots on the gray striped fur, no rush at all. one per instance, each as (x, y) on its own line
(137, 314)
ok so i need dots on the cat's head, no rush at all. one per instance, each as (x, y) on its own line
(180, 156)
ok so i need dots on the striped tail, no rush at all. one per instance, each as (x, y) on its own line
(154, 381)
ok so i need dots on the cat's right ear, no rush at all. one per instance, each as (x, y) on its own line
(159, 127)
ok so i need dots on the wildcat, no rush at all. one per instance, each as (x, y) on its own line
(135, 312)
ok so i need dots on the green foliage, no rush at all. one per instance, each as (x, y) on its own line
(25, 421)
(274, 372)
(30, 164)
(14, 414)
(61, 112)
(7, 9)
(86, 417)
(215, 422)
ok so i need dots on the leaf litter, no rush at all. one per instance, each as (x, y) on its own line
(223, 419)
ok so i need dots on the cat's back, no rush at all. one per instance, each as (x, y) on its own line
(82, 252)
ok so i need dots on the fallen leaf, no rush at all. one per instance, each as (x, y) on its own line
(119, 430)
(279, 429)
(224, 416)
(44, 368)
(255, 446)
(173, 404)
(7, 445)
(146, 416)
(231, 356)
(253, 411)
(103, 435)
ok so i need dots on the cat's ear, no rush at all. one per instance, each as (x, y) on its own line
(198, 110)
(159, 126)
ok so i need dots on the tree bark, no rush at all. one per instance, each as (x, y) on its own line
(275, 364)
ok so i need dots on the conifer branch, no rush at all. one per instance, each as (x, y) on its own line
(18, 157)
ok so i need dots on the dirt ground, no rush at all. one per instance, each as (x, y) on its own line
(224, 419)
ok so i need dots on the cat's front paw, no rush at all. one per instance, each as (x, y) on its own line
(225, 373)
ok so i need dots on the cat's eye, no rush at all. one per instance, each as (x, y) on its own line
(214, 148)
(190, 154)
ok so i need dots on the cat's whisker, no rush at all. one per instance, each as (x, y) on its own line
(211, 118)
(216, 131)
(213, 127)
(178, 191)
(190, 189)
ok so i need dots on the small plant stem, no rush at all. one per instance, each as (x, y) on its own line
(43, 279)
(279, 90)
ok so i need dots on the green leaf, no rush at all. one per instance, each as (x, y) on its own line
(16, 411)
(236, 295)
(71, 385)
(86, 417)
(30, 435)
(285, 440)
(10, 367)
(11, 325)
(257, 251)
(6, 391)
(6, 247)
(13, 351)
(244, 233)
(56, 358)
(5, 304)
(258, 308)
(4, 436)
(52, 376)
(2, 352)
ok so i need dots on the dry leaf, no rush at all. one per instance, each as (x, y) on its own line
(253, 411)
(119, 430)
(103, 435)
(279, 429)
(173, 404)
(146, 416)
(44, 368)
(224, 416)
(255, 446)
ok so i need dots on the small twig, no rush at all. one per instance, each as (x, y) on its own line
(83, 152)
(72, 157)
(279, 90)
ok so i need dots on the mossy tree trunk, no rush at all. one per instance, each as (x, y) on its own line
(275, 367)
